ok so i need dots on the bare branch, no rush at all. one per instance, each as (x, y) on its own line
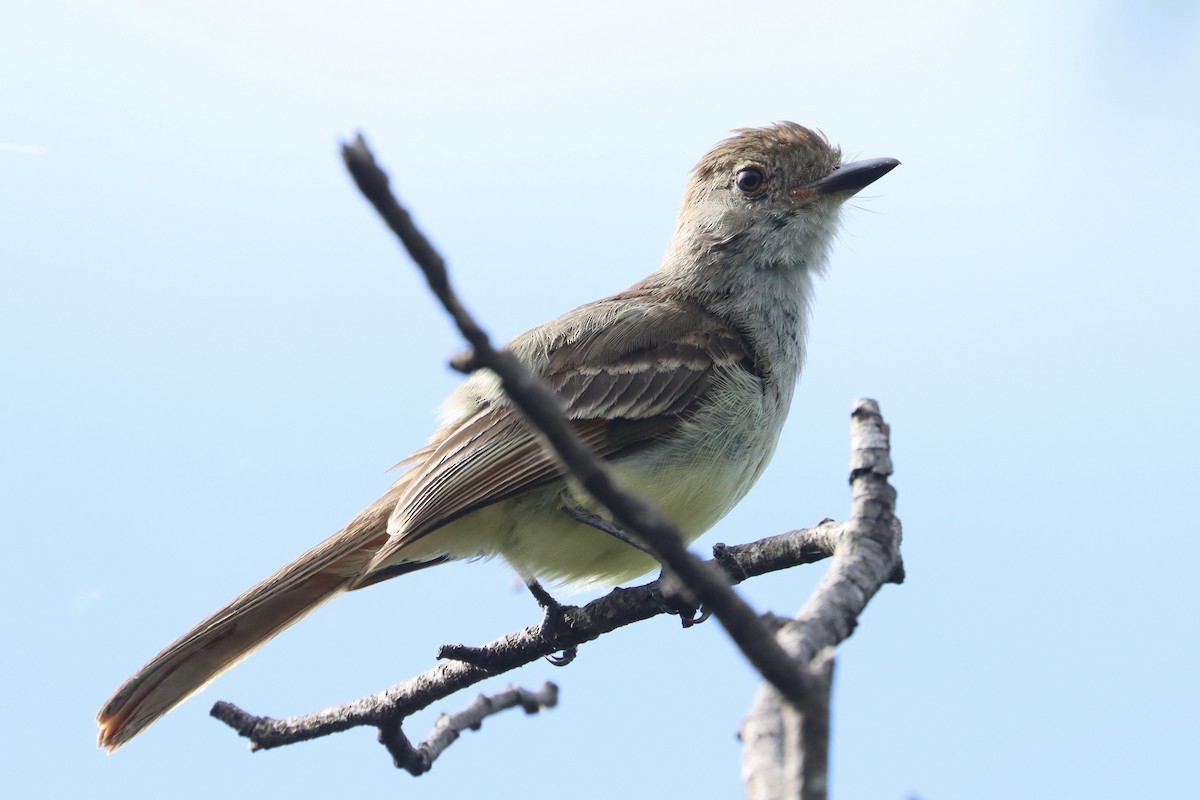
(388, 709)
(634, 514)
(764, 745)
(785, 751)
(868, 553)
(419, 760)
(806, 764)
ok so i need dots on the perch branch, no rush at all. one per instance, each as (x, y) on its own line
(618, 608)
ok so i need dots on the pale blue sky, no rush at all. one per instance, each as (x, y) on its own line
(213, 353)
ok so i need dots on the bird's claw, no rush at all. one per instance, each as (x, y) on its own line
(563, 658)
(674, 600)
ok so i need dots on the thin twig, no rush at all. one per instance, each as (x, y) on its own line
(419, 759)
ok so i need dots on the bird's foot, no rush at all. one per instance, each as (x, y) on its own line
(555, 623)
(674, 598)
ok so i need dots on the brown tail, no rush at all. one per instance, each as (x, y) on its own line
(241, 627)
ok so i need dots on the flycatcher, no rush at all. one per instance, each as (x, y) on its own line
(681, 382)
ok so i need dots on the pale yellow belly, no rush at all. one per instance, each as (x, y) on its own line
(536, 536)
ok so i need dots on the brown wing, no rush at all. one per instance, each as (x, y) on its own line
(622, 384)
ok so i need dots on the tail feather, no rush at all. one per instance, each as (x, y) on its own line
(241, 627)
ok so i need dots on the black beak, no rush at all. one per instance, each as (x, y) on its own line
(852, 177)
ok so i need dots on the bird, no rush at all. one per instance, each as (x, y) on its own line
(681, 383)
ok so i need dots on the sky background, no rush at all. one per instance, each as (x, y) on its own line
(213, 351)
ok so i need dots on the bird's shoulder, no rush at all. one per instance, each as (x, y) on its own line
(636, 354)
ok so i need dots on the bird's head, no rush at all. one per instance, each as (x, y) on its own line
(771, 195)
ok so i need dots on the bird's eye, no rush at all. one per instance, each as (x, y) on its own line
(750, 180)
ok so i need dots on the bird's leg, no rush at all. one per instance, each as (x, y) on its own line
(554, 620)
(672, 596)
